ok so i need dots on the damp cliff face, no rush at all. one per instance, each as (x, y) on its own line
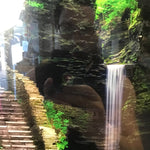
(74, 64)
(121, 34)
(75, 53)
(145, 41)
(77, 27)
(128, 42)
(63, 42)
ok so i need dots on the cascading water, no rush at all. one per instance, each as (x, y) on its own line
(115, 80)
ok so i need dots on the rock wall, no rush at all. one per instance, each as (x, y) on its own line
(85, 132)
(145, 36)
(130, 133)
(32, 102)
(89, 72)
(84, 108)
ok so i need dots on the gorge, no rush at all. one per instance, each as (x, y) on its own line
(90, 61)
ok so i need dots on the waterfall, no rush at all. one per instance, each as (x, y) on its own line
(115, 80)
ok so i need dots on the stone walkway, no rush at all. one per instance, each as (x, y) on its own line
(15, 134)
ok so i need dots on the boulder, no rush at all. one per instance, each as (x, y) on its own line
(82, 96)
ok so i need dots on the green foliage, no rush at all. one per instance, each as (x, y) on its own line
(35, 4)
(59, 123)
(113, 9)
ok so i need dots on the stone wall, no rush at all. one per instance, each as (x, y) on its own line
(32, 102)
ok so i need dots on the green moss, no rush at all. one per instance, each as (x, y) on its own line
(125, 56)
(135, 18)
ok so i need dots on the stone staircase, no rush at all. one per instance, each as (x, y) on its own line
(14, 131)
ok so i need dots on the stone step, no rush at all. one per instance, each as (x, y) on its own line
(11, 113)
(17, 141)
(21, 149)
(2, 127)
(2, 122)
(11, 118)
(19, 132)
(7, 96)
(15, 132)
(5, 92)
(14, 105)
(10, 110)
(6, 136)
(7, 101)
(21, 127)
(20, 137)
(19, 146)
(18, 123)
(3, 95)
(39, 110)
(25, 128)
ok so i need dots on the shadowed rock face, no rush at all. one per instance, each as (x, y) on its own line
(77, 26)
(130, 130)
(77, 142)
(82, 96)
